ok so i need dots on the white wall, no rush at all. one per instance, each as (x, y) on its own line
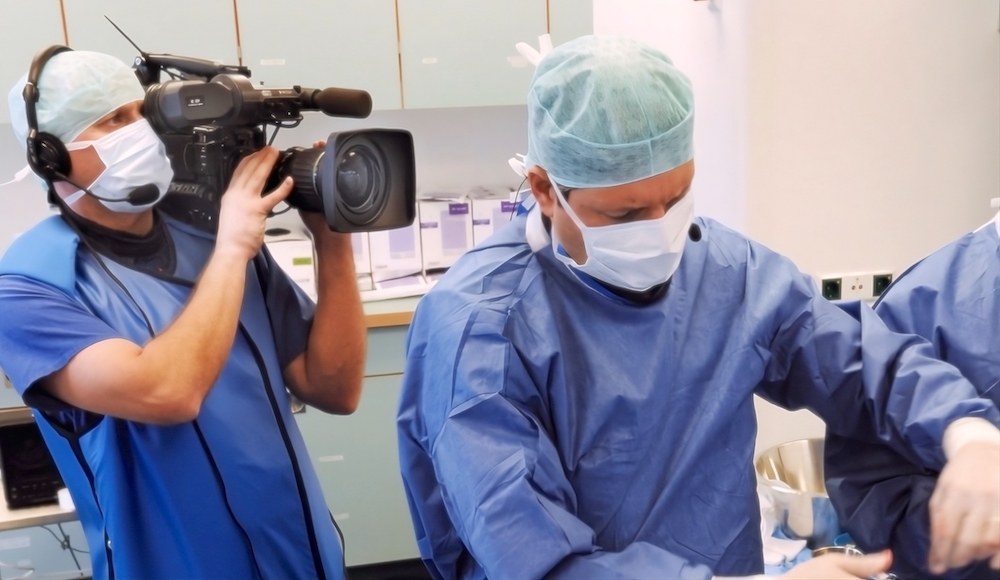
(849, 135)
(23, 203)
(874, 126)
(706, 40)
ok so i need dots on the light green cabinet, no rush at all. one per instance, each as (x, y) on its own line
(24, 31)
(41, 548)
(197, 28)
(357, 460)
(8, 396)
(323, 43)
(410, 54)
(459, 53)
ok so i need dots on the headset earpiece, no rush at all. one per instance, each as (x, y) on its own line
(47, 155)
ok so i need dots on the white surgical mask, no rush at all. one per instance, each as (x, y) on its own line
(635, 255)
(133, 156)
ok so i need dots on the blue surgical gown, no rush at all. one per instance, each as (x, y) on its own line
(547, 428)
(951, 298)
(229, 494)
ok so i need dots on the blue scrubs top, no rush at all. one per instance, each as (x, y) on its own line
(547, 429)
(231, 494)
(951, 298)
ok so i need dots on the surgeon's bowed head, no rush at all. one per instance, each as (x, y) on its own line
(605, 111)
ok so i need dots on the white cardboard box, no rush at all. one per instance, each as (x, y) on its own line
(395, 253)
(296, 257)
(413, 285)
(489, 214)
(445, 230)
(362, 255)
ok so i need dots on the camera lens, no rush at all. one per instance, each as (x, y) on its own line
(360, 179)
(303, 165)
(360, 183)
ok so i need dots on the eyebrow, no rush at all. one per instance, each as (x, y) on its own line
(119, 111)
(630, 207)
(109, 116)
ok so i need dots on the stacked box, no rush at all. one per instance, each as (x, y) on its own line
(490, 212)
(445, 230)
(294, 254)
(362, 255)
(395, 253)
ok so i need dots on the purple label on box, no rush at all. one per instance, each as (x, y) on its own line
(508, 206)
(428, 225)
(458, 209)
(402, 243)
(485, 222)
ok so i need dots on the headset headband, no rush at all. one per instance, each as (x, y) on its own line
(30, 92)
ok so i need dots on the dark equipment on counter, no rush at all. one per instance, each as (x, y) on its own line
(30, 476)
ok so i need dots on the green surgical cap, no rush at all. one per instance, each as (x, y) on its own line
(75, 89)
(604, 111)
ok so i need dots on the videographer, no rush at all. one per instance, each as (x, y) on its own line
(156, 356)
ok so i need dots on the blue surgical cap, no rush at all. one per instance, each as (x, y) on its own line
(76, 88)
(604, 111)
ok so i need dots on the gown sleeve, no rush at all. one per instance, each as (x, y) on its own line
(41, 330)
(866, 382)
(290, 310)
(882, 497)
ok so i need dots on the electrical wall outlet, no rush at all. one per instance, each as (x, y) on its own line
(831, 288)
(880, 282)
(860, 286)
(856, 287)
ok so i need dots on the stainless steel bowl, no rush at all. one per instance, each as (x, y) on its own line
(849, 550)
(792, 474)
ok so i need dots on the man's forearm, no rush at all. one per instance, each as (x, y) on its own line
(190, 354)
(165, 381)
(334, 359)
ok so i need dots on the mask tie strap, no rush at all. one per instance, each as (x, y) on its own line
(19, 176)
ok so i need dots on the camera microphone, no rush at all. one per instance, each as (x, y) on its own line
(337, 102)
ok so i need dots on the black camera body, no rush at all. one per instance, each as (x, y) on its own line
(214, 116)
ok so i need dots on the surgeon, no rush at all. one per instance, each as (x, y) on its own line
(158, 358)
(577, 399)
(951, 298)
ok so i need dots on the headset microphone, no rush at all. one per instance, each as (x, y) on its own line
(142, 195)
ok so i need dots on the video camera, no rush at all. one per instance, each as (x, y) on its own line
(210, 116)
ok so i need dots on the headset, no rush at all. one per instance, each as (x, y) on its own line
(47, 155)
(49, 159)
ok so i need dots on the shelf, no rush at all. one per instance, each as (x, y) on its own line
(394, 312)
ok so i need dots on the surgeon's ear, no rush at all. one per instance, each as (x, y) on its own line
(541, 187)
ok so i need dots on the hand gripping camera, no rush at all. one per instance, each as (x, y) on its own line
(210, 116)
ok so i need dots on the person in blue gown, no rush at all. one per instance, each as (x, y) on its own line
(158, 358)
(951, 298)
(577, 397)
